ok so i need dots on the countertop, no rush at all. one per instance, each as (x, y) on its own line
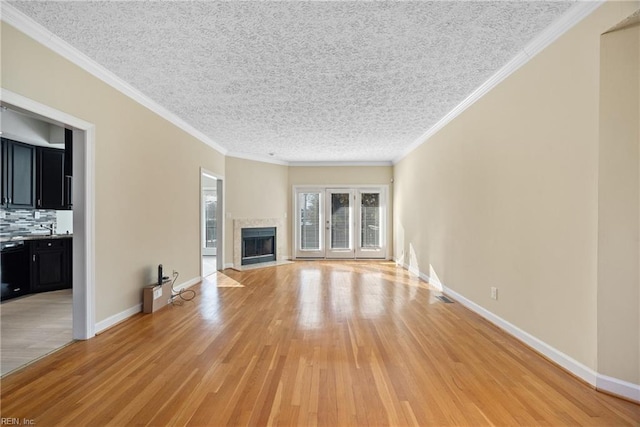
(35, 237)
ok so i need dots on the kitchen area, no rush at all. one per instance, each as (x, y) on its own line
(36, 238)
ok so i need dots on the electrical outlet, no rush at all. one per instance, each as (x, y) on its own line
(494, 293)
(175, 272)
(157, 293)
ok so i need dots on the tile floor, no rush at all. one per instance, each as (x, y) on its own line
(34, 326)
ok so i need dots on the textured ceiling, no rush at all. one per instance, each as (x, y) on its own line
(306, 81)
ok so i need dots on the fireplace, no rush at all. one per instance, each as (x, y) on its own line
(258, 245)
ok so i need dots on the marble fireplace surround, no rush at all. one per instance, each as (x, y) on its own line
(240, 223)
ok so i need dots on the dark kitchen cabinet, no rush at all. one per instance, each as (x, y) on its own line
(50, 180)
(50, 264)
(18, 174)
(68, 152)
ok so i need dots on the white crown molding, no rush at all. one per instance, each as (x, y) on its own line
(23, 23)
(324, 164)
(266, 159)
(31, 28)
(257, 158)
(576, 14)
(599, 381)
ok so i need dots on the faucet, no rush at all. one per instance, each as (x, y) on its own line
(51, 228)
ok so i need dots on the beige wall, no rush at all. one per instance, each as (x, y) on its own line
(340, 175)
(147, 173)
(260, 190)
(254, 190)
(506, 195)
(619, 206)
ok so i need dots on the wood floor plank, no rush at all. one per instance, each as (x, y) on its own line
(312, 343)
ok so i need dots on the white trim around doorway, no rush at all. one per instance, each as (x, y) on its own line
(221, 219)
(84, 326)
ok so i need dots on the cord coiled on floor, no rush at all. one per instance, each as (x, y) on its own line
(183, 294)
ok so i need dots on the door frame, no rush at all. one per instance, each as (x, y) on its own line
(203, 214)
(329, 252)
(83, 286)
(294, 218)
(386, 218)
(219, 219)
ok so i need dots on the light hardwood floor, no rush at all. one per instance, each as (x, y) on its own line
(309, 343)
(34, 326)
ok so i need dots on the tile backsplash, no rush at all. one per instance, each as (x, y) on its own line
(23, 222)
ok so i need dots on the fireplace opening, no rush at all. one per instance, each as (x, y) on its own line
(258, 245)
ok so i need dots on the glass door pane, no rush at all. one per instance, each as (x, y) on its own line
(370, 220)
(210, 221)
(309, 242)
(339, 224)
(371, 224)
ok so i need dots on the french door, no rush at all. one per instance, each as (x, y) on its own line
(340, 222)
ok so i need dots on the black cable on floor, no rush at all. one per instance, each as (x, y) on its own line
(190, 293)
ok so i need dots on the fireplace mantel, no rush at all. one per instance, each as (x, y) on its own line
(240, 223)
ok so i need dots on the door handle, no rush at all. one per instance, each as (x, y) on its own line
(68, 189)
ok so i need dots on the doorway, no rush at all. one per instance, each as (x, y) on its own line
(80, 219)
(340, 223)
(211, 223)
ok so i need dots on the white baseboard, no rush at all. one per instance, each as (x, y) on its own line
(601, 382)
(566, 362)
(117, 318)
(414, 271)
(124, 315)
(188, 283)
(228, 265)
(618, 387)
